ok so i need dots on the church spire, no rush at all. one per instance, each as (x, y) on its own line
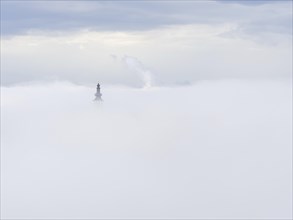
(98, 94)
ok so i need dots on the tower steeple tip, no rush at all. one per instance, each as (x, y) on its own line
(98, 94)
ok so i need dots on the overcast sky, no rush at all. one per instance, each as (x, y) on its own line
(87, 41)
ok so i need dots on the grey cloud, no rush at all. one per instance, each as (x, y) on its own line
(164, 51)
(252, 2)
(20, 17)
(279, 24)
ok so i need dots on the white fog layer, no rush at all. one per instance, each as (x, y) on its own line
(215, 149)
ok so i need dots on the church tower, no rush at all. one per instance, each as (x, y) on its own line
(98, 94)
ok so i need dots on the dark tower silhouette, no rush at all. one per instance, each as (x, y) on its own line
(98, 94)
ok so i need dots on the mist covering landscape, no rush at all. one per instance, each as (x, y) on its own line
(195, 122)
(161, 152)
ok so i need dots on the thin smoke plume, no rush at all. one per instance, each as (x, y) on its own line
(137, 67)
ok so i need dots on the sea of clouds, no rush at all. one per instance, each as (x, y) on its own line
(214, 149)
